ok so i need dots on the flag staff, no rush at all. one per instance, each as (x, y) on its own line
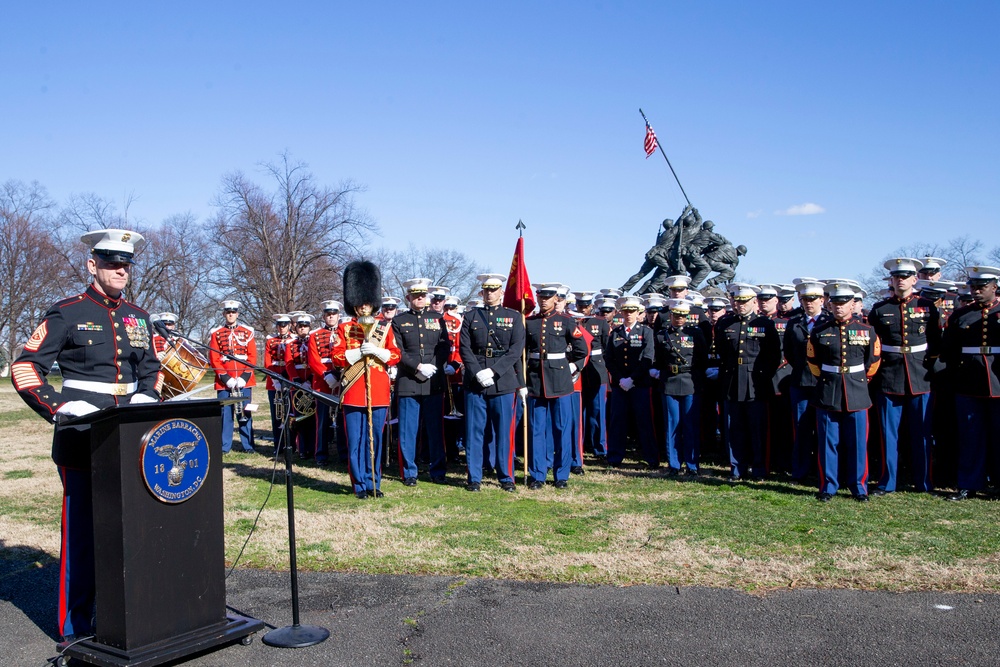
(524, 369)
(651, 135)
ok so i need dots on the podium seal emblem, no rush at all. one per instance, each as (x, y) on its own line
(174, 460)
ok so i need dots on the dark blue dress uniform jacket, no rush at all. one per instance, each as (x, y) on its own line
(796, 341)
(680, 356)
(492, 337)
(971, 350)
(557, 335)
(596, 372)
(631, 355)
(95, 339)
(422, 338)
(910, 322)
(843, 356)
(749, 354)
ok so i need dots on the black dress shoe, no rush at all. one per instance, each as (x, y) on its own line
(825, 497)
(962, 494)
(474, 486)
(734, 478)
(672, 472)
(508, 487)
(535, 485)
(861, 499)
(576, 470)
(691, 473)
(375, 494)
(438, 479)
(361, 495)
(561, 484)
(410, 481)
(878, 493)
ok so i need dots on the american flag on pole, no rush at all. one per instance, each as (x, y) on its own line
(650, 143)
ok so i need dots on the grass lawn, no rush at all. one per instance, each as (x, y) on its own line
(620, 527)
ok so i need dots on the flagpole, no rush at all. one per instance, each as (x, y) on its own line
(660, 146)
(524, 369)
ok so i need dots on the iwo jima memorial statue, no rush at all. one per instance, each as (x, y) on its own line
(690, 246)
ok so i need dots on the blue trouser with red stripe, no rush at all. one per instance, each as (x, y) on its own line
(545, 414)
(916, 410)
(595, 429)
(493, 414)
(76, 557)
(681, 421)
(412, 411)
(360, 450)
(577, 429)
(843, 433)
(245, 429)
(978, 426)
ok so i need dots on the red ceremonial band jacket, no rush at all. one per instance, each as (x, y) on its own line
(350, 336)
(229, 346)
(297, 359)
(321, 344)
(274, 357)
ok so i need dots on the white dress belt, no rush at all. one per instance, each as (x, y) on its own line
(113, 388)
(986, 349)
(596, 353)
(843, 369)
(550, 355)
(904, 349)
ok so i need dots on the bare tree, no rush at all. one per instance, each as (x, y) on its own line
(284, 249)
(26, 281)
(173, 271)
(85, 213)
(958, 253)
(443, 266)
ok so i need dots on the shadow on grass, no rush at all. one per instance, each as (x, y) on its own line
(777, 483)
(29, 579)
(250, 468)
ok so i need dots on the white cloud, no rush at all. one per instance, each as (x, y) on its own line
(754, 214)
(802, 209)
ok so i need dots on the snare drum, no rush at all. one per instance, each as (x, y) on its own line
(183, 368)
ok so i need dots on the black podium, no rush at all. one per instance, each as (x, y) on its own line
(159, 535)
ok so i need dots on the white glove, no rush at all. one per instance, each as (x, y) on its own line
(72, 409)
(383, 354)
(392, 371)
(141, 398)
(626, 383)
(368, 349)
(329, 380)
(485, 377)
(231, 384)
(654, 373)
(572, 368)
(522, 392)
(426, 371)
(712, 373)
(240, 383)
(353, 355)
(449, 369)
(307, 384)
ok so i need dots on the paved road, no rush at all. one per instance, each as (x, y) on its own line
(397, 620)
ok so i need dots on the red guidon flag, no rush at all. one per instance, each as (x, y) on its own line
(650, 143)
(519, 294)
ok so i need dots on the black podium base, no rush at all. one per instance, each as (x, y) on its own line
(234, 629)
(296, 636)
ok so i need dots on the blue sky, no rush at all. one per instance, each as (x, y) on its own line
(461, 118)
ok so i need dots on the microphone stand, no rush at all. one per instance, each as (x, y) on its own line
(294, 635)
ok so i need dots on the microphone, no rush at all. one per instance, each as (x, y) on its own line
(161, 329)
